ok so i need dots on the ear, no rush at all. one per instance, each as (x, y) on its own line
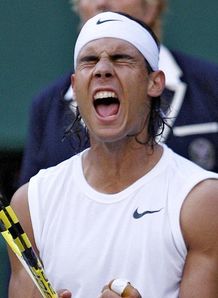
(73, 85)
(72, 80)
(156, 83)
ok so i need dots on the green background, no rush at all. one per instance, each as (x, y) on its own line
(36, 45)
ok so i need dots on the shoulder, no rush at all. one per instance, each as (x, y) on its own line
(184, 175)
(49, 185)
(58, 172)
(185, 169)
(19, 201)
(199, 220)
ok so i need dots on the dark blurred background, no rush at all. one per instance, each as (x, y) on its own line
(36, 47)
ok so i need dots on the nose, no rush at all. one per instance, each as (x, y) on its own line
(103, 69)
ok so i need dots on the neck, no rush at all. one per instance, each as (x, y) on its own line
(111, 168)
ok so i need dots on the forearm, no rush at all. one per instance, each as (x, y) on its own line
(22, 286)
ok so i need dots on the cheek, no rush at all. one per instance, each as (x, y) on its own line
(81, 95)
(138, 87)
(80, 85)
(139, 101)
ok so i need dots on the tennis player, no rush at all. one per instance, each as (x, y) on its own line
(127, 217)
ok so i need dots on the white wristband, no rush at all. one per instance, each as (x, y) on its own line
(119, 285)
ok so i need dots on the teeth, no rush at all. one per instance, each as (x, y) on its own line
(104, 94)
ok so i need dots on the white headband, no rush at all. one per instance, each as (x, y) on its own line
(111, 24)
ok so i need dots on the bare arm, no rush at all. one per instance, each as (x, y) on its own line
(20, 282)
(199, 222)
(21, 285)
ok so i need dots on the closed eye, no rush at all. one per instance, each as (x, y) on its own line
(121, 58)
(91, 60)
(88, 60)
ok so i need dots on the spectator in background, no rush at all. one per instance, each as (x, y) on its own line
(191, 91)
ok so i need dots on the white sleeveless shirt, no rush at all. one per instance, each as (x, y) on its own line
(87, 238)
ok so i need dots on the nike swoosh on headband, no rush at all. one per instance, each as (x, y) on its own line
(137, 215)
(104, 21)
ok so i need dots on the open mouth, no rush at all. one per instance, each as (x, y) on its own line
(106, 103)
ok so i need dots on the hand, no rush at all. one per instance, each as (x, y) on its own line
(119, 288)
(64, 294)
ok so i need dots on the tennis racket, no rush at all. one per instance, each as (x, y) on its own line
(18, 241)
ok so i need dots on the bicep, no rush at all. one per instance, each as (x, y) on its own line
(200, 277)
(199, 222)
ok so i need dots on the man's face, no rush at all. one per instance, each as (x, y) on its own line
(136, 8)
(111, 88)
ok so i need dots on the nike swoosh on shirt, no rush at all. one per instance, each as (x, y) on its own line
(104, 21)
(137, 215)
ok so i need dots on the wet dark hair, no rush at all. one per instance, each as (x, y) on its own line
(156, 118)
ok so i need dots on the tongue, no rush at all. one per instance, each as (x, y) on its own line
(107, 110)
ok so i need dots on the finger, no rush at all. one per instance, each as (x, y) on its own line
(131, 292)
(64, 293)
(123, 288)
(107, 293)
(119, 285)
